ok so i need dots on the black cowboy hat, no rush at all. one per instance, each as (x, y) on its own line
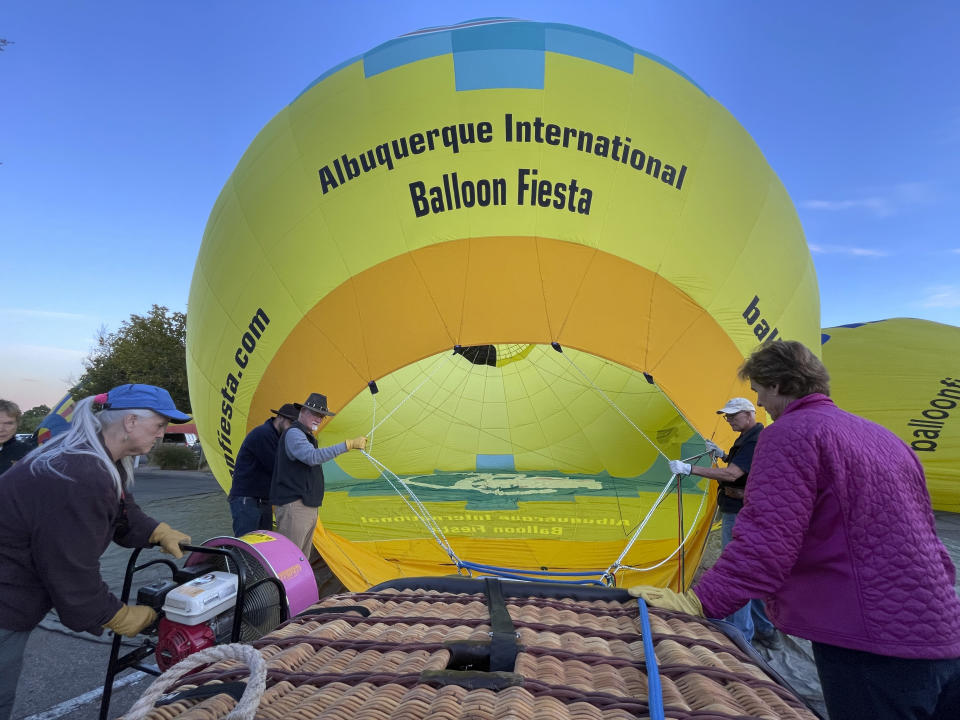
(288, 411)
(315, 403)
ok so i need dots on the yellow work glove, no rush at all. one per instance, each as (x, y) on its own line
(686, 602)
(131, 619)
(169, 539)
(359, 443)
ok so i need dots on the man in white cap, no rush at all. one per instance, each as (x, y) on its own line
(741, 415)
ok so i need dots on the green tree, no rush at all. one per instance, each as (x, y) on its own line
(32, 418)
(149, 349)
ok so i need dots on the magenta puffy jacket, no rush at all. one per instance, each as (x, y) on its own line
(837, 536)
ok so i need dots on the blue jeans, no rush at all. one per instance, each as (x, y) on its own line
(249, 514)
(752, 617)
(12, 643)
(858, 684)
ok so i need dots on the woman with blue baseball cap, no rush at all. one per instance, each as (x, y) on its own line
(63, 504)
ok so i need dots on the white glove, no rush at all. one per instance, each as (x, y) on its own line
(715, 450)
(679, 467)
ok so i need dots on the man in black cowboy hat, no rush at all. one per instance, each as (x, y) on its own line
(297, 487)
(250, 492)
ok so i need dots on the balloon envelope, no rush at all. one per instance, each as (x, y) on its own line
(902, 374)
(57, 420)
(546, 250)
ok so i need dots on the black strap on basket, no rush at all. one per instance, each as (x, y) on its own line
(503, 633)
(233, 689)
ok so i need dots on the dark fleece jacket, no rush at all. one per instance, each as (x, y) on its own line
(53, 534)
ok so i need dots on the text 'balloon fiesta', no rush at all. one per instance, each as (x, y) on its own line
(548, 252)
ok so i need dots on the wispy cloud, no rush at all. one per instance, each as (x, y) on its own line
(878, 205)
(847, 250)
(942, 296)
(882, 202)
(43, 314)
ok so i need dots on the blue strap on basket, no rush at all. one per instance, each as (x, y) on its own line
(589, 577)
(654, 692)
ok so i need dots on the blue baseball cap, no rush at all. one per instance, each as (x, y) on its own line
(147, 397)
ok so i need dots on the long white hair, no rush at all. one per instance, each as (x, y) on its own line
(83, 439)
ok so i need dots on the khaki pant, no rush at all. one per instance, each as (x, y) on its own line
(297, 522)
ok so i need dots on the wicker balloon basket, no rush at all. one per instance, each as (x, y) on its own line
(480, 650)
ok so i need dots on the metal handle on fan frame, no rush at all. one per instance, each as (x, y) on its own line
(117, 664)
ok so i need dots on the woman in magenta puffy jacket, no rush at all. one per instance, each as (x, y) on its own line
(837, 536)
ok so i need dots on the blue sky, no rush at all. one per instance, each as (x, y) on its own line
(120, 122)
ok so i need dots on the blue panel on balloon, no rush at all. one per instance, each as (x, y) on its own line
(486, 463)
(486, 69)
(500, 36)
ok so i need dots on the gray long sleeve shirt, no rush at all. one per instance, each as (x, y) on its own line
(299, 448)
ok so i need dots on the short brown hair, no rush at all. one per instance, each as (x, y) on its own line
(788, 364)
(8, 407)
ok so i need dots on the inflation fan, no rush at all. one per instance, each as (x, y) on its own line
(228, 590)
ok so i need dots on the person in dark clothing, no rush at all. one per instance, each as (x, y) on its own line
(63, 504)
(740, 414)
(11, 449)
(250, 492)
(297, 486)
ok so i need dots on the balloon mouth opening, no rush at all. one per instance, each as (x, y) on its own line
(516, 408)
(497, 453)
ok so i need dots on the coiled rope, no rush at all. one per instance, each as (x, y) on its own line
(245, 708)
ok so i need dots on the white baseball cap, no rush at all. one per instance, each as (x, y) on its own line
(735, 405)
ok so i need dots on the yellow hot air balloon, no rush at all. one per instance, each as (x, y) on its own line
(547, 251)
(904, 374)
